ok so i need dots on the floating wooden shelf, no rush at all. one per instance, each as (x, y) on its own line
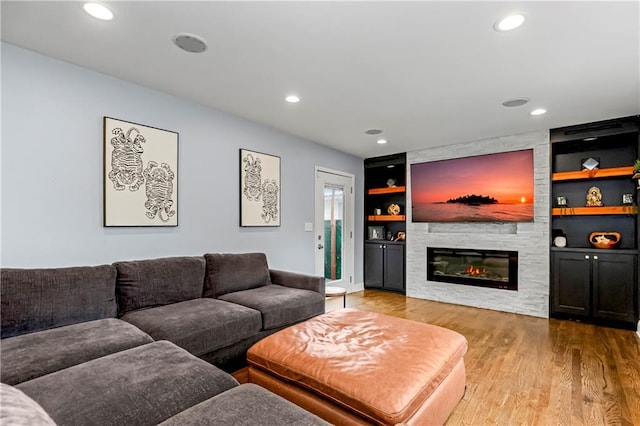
(585, 211)
(386, 218)
(391, 190)
(592, 174)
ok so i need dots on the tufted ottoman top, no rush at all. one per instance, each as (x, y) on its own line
(380, 366)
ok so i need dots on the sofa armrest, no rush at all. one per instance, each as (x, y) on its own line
(297, 280)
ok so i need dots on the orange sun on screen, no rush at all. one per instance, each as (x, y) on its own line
(523, 200)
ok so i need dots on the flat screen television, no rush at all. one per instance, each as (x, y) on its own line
(484, 188)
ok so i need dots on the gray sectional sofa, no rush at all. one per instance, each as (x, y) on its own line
(139, 342)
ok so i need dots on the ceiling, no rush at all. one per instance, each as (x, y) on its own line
(426, 73)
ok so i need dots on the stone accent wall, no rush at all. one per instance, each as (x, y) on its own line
(530, 240)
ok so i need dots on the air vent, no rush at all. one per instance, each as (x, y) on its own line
(595, 128)
(190, 43)
(515, 102)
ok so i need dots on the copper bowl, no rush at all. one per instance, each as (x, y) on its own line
(604, 240)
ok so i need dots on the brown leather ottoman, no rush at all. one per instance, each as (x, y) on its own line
(355, 367)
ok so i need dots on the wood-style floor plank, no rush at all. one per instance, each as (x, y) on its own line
(524, 370)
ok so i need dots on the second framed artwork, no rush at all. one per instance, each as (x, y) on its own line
(259, 189)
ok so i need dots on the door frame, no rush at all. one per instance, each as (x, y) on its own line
(348, 260)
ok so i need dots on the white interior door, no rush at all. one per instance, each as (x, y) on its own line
(333, 227)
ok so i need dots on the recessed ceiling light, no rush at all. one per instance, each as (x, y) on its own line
(590, 139)
(515, 102)
(98, 11)
(538, 111)
(382, 141)
(292, 99)
(509, 23)
(373, 131)
(190, 43)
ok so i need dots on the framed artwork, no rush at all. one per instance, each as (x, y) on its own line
(259, 189)
(140, 175)
(376, 232)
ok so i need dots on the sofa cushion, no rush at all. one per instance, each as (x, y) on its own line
(39, 299)
(17, 409)
(200, 325)
(227, 272)
(230, 408)
(140, 386)
(157, 282)
(36, 354)
(279, 305)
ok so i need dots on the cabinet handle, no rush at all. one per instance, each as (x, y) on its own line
(595, 257)
(384, 247)
(381, 246)
(586, 256)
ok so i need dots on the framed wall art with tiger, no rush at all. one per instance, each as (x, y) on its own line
(259, 189)
(140, 175)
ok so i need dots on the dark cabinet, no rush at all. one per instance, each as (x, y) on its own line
(613, 283)
(384, 265)
(571, 284)
(593, 284)
(385, 215)
(594, 203)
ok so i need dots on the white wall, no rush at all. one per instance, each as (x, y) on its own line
(52, 156)
(530, 240)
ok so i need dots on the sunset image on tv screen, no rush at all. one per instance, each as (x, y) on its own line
(484, 188)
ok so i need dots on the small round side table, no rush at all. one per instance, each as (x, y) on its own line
(336, 292)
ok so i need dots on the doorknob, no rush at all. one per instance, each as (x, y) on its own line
(320, 246)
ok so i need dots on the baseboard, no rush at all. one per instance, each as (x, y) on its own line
(355, 287)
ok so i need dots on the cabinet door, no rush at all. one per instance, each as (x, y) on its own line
(394, 266)
(614, 278)
(571, 283)
(373, 264)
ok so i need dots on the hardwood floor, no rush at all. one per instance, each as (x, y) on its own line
(524, 370)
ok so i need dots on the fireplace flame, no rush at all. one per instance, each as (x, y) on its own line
(471, 270)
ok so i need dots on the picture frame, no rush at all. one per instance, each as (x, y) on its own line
(260, 189)
(376, 233)
(140, 175)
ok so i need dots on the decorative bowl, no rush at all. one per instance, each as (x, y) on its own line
(604, 240)
(393, 209)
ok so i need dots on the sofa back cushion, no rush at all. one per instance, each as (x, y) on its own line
(229, 272)
(40, 299)
(158, 282)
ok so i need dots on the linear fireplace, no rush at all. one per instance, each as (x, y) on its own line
(484, 268)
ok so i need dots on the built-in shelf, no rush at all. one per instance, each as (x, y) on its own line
(593, 174)
(391, 190)
(585, 211)
(386, 218)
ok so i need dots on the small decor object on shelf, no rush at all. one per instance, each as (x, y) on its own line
(594, 197)
(393, 209)
(604, 240)
(562, 201)
(627, 199)
(560, 241)
(590, 163)
(376, 232)
(377, 212)
(391, 183)
(636, 171)
(401, 236)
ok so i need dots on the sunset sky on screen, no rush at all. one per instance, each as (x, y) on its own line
(507, 177)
